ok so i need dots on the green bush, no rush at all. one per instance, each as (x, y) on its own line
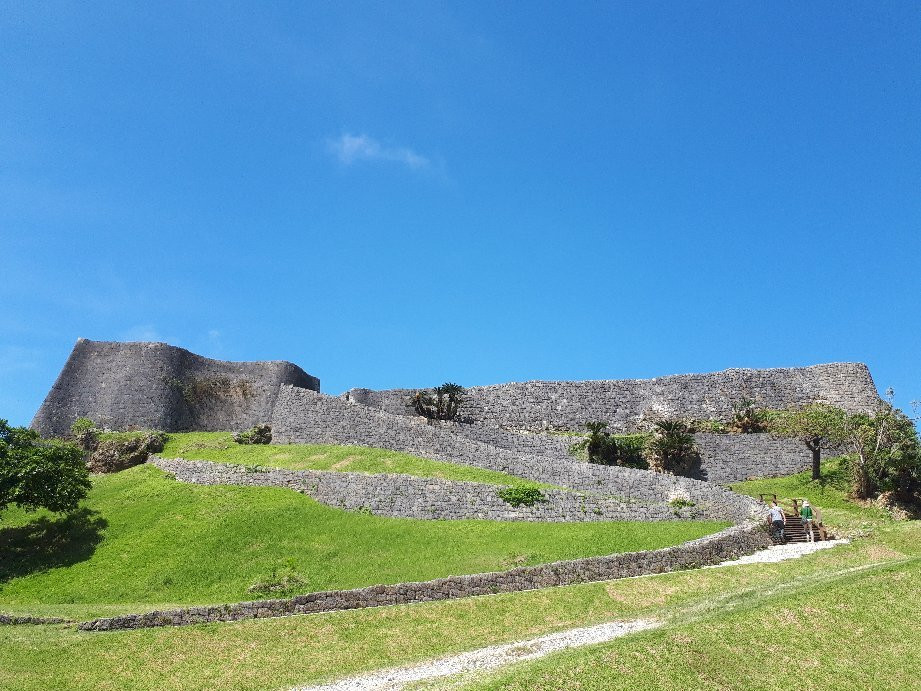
(609, 449)
(40, 474)
(748, 418)
(671, 448)
(521, 495)
(80, 425)
(258, 434)
(631, 450)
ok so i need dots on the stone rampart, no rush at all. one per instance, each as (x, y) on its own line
(405, 496)
(724, 458)
(713, 549)
(158, 386)
(627, 403)
(303, 416)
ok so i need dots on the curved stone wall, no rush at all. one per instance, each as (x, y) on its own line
(159, 386)
(567, 405)
(303, 416)
(406, 496)
(724, 458)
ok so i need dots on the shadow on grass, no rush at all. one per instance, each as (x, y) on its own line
(47, 543)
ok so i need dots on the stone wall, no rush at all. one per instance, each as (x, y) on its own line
(303, 416)
(713, 549)
(728, 458)
(11, 619)
(158, 386)
(406, 496)
(625, 404)
(724, 458)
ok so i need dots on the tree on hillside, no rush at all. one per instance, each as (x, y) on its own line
(35, 473)
(815, 424)
(887, 453)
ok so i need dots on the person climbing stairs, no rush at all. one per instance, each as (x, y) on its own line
(794, 530)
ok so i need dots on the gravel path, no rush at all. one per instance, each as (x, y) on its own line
(499, 655)
(487, 658)
(775, 553)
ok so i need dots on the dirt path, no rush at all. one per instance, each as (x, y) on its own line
(487, 658)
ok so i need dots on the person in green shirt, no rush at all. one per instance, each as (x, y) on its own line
(808, 516)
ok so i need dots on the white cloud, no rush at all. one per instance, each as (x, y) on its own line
(350, 148)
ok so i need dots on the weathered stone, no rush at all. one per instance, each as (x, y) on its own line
(158, 386)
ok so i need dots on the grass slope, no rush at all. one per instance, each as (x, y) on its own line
(280, 653)
(735, 627)
(858, 631)
(221, 448)
(145, 540)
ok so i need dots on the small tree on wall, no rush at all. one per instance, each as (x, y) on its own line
(441, 403)
(816, 425)
(671, 448)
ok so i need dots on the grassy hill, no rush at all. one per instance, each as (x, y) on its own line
(734, 627)
(143, 541)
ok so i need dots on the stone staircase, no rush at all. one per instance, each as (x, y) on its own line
(796, 532)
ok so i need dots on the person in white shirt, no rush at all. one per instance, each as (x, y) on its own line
(778, 521)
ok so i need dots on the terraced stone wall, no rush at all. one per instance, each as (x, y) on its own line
(303, 416)
(625, 404)
(158, 386)
(724, 458)
(404, 496)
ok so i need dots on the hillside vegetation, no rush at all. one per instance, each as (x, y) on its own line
(838, 619)
(143, 541)
(730, 627)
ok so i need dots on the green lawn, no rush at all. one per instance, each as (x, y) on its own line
(729, 628)
(221, 448)
(280, 653)
(856, 631)
(144, 541)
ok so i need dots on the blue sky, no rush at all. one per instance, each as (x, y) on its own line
(399, 194)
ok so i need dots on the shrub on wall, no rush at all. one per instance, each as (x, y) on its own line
(441, 403)
(258, 434)
(603, 448)
(747, 417)
(671, 448)
(521, 495)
